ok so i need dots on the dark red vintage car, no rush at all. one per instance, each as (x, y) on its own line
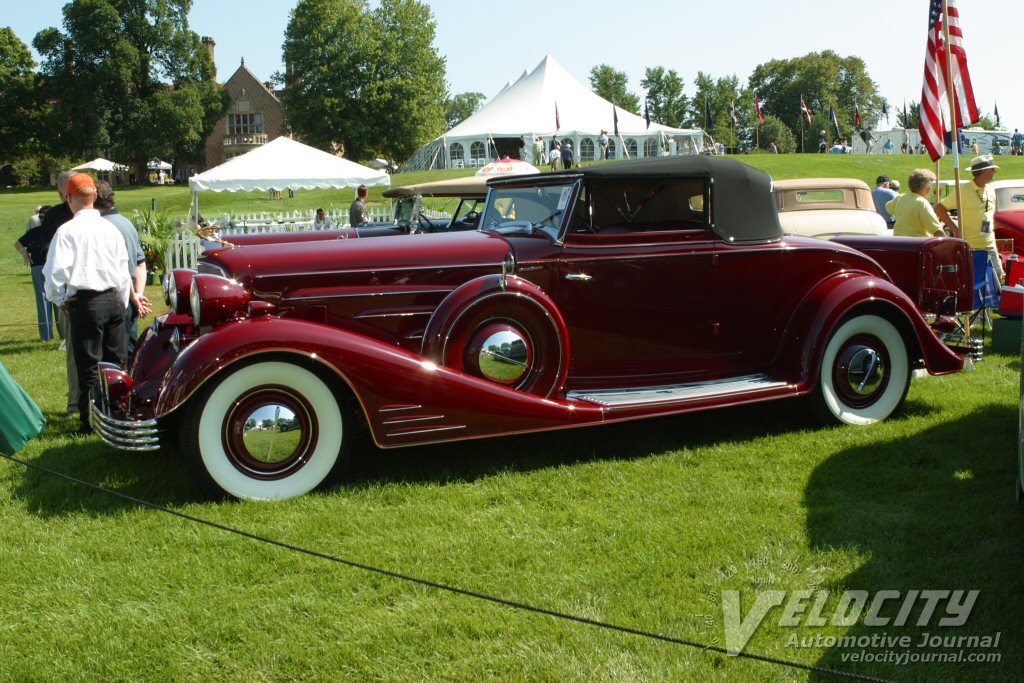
(613, 293)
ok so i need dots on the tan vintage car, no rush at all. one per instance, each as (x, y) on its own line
(827, 207)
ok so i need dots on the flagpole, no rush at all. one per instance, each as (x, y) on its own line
(954, 135)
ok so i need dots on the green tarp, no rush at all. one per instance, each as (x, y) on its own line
(20, 417)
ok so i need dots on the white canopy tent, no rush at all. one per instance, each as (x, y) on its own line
(282, 164)
(99, 164)
(549, 103)
(158, 165)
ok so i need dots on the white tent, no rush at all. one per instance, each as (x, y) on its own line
(527, 108)
(157, 165)
(284, 164)
(99, 164)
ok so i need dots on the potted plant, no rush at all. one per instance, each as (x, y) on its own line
(156, 236)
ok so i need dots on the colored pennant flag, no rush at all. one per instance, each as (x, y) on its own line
(732, 111)
(834, 120)
(995, 112)
(708, 121)
(757, 107)
(934, 111)
(647, 114)
(856, 115)
(558, 123)
(885, 110)
(805, 111)
(615, 120)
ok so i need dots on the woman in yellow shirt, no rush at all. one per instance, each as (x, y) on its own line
(914, 214)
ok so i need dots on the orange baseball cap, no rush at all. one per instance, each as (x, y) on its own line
(81, 184)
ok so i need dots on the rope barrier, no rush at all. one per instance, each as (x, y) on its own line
(653, 635)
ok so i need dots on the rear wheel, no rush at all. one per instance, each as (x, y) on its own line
(865, 372)
(266, 431)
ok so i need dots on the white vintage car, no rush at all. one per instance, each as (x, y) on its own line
(827, 207)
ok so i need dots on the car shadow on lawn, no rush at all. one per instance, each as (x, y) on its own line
(934, 511)
(472, 460)
(158, 478)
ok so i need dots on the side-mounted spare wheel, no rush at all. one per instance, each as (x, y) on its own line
(265, 431)
(502, 329)
(864, 374)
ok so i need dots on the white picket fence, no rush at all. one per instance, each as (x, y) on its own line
(186, 245)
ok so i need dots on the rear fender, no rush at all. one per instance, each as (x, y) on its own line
(406, 398)
(837, 299)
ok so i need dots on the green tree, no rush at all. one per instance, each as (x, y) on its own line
(129, 79)
(18, 89)
(365, 83)
(909, 116)
(612, 85)
(718, 95)
(460, 107)
(823, 79)
(777, 130)
(663, 91)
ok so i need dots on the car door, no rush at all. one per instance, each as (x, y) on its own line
(635, 284)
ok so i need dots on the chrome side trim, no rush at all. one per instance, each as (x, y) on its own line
(415, 418)
(395, 409)
(428, 430)
(444, 266)
(620, 399)
(368, 295)
(127, 435)
(364, 316)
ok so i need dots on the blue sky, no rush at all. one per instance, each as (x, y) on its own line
(487, 44)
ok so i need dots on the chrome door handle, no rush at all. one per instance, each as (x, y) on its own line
(578, 277)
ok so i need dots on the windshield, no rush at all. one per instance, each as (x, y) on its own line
(527, 209)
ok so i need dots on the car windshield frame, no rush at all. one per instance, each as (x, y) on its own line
(547, 203)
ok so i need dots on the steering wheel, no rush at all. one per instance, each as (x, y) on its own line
(422, 224)
(472, 217)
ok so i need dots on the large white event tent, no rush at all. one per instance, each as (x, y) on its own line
(283, 164)
(527, 109)
(99, 164)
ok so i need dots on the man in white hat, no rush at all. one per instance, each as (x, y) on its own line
(977, 210)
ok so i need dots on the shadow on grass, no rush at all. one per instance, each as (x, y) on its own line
(162, 477)
(932, 511)
(17, 346)
(154, 477)
(472, 460)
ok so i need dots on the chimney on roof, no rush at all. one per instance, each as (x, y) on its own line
(210, 46)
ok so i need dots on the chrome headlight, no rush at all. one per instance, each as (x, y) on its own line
(167, 284)
(195, 304)
(178, 289)
(214, 299)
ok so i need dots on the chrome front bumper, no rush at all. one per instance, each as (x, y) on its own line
(133, 435)
(128, 435)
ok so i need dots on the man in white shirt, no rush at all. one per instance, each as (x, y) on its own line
(322, 221)
(87, 271)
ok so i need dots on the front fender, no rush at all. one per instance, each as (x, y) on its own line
(836, 299)
(406, 398)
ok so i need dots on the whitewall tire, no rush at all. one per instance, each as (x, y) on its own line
(865, 372)
(266, 431)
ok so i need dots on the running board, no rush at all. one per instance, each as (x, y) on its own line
(617, 399)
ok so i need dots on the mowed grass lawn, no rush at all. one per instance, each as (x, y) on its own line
(643, 525)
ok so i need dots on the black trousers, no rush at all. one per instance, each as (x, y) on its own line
(97, 334)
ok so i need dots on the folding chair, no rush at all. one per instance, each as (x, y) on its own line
(986, 291)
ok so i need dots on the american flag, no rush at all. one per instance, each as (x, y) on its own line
(934, 104)
(757, 106)
(805, 111)
(732, 111)
(856, 115)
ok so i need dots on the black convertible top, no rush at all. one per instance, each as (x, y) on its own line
(743, 207)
